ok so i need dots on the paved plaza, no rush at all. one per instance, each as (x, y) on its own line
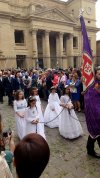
(68, 158)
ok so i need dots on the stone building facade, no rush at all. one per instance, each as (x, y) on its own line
(98, 53)
(44, 32)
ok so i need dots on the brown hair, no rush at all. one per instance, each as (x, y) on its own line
(31, 156)
(96, 70)
(76, 75)
(64, 91)
(17, 95)
(32, 90)
(30, 99)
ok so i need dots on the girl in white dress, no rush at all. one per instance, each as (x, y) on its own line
(20, 105)
(33, 118)
(53, 109)
(34, 93)
(69, 125)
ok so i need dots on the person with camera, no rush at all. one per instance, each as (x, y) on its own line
(7, 145)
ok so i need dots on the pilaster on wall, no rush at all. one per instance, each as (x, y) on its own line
(70, 50)
(35, 50)
(47, 49)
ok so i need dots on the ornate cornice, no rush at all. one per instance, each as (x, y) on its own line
(57, 11)
(31, 17)
(65, 20)
(23, 5)
(60, 17)
(70, 1)
(90, 29)
(4, 1)
(17, 17)
(58, 1)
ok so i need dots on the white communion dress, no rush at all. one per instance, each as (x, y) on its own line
(69, 125)
(52, 111)
(20, 108)
(32, 114)
(38, 105)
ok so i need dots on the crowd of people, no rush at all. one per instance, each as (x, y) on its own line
(63, 91)
(13, 80)
(25, 89)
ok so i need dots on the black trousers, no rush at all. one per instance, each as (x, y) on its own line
(98, 140)
(10, 98)
(1, 97)
(91, 144)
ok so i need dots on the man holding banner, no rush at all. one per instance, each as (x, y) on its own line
(91, 86)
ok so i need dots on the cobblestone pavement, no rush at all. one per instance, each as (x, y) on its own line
(68, 158)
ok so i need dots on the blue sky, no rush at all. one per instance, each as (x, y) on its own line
(97, 16)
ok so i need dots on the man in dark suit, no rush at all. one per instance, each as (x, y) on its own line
(17, 82)
(9, 88)
(1, 87)
(49, 83)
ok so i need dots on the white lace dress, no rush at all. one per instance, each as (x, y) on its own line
(20, 107)
(52, 111)
(38, 104)
(32, 114)
(69, 125)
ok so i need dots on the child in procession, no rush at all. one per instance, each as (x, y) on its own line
(53, 109)
(69, 125)
(20, 105)
(34, 93)
(33, 121)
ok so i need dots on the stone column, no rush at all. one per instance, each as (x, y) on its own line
(60, 49)
(47, 49)
(35, 50)
(43, 48)
(70, 50)
(57, 50)
(65, 59)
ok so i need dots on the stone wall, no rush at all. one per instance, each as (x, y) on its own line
(43, 15)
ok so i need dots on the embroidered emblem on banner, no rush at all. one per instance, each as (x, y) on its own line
(87, 68)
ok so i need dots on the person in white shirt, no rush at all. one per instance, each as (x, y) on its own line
(63, 79)
(27, 81)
